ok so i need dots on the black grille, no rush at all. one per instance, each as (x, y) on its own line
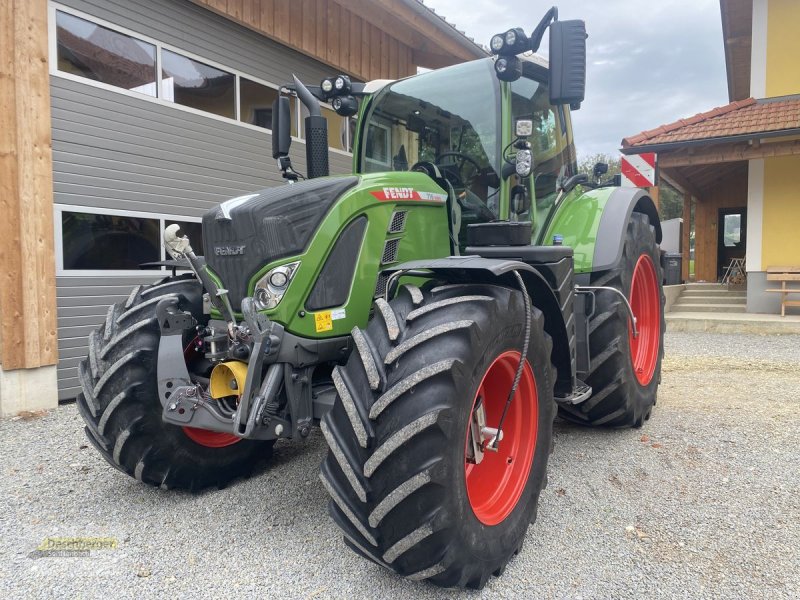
(336, 278)
(398, 222)
(275, 223)
(390, 251)
(380, 288)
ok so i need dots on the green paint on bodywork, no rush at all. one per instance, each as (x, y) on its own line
(577, 219)
(507, 135)
(425, 235)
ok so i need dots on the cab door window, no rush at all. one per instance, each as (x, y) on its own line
(553, 150)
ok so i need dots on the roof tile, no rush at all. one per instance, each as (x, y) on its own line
(737, 118)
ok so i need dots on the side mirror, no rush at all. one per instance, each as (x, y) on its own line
(281, 127)
(520, 199)
(600, 169)
(567, 63)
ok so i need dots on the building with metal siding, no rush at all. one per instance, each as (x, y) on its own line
(159, 110)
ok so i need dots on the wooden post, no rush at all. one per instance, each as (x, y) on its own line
(685, 234)
(27, 275)
(653, 191)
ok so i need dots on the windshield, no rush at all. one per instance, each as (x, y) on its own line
(449, 118)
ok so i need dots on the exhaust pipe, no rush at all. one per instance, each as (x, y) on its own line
(316, 133)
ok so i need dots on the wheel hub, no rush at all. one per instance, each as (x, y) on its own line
(481, 437)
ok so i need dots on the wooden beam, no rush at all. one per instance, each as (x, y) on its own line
(383, 20)
(430, 60)
(679, 182)
(325, 30)
(685, 234)
(730, 153)
(428, 30)
(27, 275)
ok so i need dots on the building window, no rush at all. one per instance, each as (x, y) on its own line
(103, 242)
(195, 84)
(732, 232)
(338, 128)
(255, 104)
(193, 230)
(104, 55)
(97, 242)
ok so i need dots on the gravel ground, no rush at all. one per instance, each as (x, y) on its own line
(701, 502)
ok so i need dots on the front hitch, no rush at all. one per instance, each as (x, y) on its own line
(187, 404)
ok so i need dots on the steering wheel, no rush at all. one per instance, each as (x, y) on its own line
(460, 165)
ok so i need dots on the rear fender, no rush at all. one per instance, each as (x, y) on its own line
(472, 269)
(594, 222)
(614, 223)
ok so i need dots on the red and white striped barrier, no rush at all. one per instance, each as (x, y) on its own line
(639, 170)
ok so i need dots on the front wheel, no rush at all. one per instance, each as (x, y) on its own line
(121, 409)
(407, 487)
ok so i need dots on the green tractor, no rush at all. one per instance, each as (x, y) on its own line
(432, 313)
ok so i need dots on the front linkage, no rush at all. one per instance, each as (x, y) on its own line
(239, 352)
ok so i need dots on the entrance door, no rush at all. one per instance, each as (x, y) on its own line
(732, 237)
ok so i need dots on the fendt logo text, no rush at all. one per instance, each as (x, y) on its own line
(228, 250)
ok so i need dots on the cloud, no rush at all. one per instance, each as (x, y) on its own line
(649, 63)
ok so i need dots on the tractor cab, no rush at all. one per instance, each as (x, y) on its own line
(459, 125)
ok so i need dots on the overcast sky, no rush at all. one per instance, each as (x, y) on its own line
(650, 62)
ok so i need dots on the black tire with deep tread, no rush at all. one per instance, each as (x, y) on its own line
(405, 505)
(618, 399)
(120, 406)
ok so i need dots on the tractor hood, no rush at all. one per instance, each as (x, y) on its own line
(243, 234)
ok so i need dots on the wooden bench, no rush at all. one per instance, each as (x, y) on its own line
(787, 276)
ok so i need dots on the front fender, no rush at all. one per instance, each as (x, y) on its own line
(475, 269)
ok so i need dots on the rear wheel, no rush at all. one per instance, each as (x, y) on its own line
(122, 411)
(624, 370)
(406, 487)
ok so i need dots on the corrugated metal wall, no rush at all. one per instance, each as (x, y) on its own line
(115, 151)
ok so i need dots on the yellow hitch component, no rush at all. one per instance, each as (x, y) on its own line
(228, 379)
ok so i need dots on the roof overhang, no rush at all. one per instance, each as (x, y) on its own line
(706, 142)
(737, 32)
(391, 37)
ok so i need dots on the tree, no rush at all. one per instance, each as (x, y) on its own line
(587, 163)
(670, 200)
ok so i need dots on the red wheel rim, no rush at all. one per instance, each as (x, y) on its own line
(646, 305)
(210, 439)
(204, 437)
(495, 486)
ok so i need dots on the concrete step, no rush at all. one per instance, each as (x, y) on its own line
(706, 286)
(713, 308)
(711, 300)
(713, 291)
(733, 323)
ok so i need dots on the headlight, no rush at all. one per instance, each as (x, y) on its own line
(327, 86)
(524, 163)
(496, 43)
(511, 38)
(271, 287)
